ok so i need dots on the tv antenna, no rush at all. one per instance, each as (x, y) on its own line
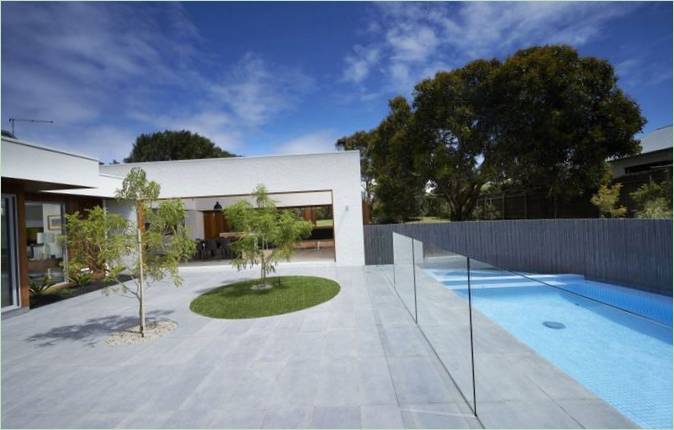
(12, 121)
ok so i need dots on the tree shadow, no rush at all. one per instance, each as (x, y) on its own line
(92, 329)
(224, 283)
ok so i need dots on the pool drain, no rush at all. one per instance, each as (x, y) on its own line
(554, 325)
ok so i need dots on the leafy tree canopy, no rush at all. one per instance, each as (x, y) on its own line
(453, 131)
(361, 141)
(654, 199)
(174, 145)
(544, 118)
(267, 234)
(558, 117)
(398, 187)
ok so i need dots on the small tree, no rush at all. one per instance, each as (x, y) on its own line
(607, 201)
(267, 234)
(159, 237)
(654, 200)
(93, 242)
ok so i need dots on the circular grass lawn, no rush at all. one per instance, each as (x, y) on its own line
(289, 294)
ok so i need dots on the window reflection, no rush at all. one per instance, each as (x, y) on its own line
(44, 228)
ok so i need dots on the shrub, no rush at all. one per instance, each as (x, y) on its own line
(607, 201)
(40, 286)
(654, 200)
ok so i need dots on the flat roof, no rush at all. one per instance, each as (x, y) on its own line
(47, 148)
(232, 159)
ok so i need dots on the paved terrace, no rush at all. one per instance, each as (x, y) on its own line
(355, 361)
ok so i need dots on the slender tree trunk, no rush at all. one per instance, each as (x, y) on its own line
(141, 280)
(262, 271)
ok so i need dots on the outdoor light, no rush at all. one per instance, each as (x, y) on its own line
(217, 206)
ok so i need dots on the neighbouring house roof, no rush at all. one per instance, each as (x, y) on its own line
(657, 140)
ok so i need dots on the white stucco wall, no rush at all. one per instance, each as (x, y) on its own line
(27, 161)
(194, 221)
(338, 173)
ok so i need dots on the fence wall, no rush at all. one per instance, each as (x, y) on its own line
(631, 252)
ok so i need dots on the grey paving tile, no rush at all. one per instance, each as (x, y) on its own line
(417, 380)
(381, 417)
(237, 417)
(288, 418)
(525, 414)
(336, 417)
(594, 413)
(437, 415)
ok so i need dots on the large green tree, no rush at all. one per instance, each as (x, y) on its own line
(398, 187)
(453, 131)
(174, 145)
(361, 141)
(558, 117)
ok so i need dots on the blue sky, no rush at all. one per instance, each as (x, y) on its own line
(268, 78)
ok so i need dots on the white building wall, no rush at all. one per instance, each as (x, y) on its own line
(27, 161)
(337, 172)
(194, 221)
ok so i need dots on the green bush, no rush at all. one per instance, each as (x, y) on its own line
(654, 200)
(607, 201)
(40, 286)
(79, 275)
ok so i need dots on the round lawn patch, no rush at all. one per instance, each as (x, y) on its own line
(288, 294)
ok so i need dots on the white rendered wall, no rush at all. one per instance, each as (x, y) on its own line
(21, 160)
(194, 221)
(337, 172)
(318, 198)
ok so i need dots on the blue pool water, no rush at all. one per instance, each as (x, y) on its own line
(617, 341)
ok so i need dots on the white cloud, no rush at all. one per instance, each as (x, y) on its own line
(411, 43)
(254, 90)
(358, 64)
(311, 143)
(106, 71)
(415, 38)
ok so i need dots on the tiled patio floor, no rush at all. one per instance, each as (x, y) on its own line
(355, 361)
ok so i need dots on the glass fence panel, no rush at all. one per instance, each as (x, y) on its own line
(443, 315)
(403, 270)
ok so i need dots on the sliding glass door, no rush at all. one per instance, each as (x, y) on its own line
(10, 278)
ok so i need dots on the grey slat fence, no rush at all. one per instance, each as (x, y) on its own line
(632, 252)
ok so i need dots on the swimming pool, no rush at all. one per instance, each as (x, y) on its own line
(616, 341)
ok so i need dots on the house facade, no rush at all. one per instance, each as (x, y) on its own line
(40, 185)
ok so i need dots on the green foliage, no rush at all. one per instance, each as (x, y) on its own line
(267, 234)
(39, 286)
(361, 141)
(398, 188)
(290, 294)
(174, 145)
(544, 118)
(453, 131)
(654, 200)
(486, 211)
(164, 239)
(137, 189)
(558, 117)
(607, 201)
(158, 242)
(94, 241)
(78, 274)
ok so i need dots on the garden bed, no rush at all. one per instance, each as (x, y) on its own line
(65, 291)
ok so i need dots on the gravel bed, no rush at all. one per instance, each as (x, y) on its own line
(153, 330)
